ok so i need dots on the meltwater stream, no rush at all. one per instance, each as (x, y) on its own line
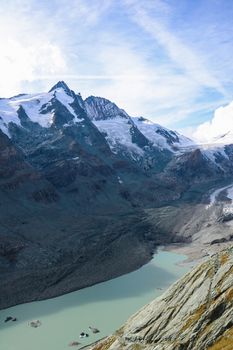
(105, 306)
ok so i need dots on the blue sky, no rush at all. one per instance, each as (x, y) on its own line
(168, 60)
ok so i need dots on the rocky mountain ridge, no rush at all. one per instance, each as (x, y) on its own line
(75, 195)
(195, 313)
(135, 138)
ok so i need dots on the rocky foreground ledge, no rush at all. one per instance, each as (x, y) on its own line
(193, 314)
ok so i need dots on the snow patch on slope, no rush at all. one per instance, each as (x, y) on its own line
(160, 136)
(32, 105)
(66, 100)
(7, 115)
(118, 133)
(214, 154)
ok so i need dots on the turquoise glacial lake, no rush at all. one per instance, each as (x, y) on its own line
(105, 306)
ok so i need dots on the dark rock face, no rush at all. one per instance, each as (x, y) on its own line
(71, 202)
(193, 166)
(138, 137)
(16, 173)
(99, 108)
(170, 136)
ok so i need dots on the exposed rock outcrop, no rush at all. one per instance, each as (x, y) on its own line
(85, 188)
(193, 314)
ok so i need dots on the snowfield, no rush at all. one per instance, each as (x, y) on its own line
(34, 104)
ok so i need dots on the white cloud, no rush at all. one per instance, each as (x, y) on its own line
(37, 39)
(136, 84)
(187, 131)
(21, 63)
(127, 51)
(221, 124)
(179, 52)
(26, 51)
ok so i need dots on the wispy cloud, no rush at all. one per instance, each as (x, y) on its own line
(26, 50)
(147, 56)
(180, 53)
(35, 38)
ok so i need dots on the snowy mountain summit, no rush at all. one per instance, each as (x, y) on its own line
(61, 107)
(135, 138)
(81, 179)
(120, 128)
(42, 109)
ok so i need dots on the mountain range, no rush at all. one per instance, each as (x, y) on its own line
(82, 183)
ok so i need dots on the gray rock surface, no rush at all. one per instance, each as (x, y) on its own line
(193, 314)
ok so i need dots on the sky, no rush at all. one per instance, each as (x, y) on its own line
(167, 60)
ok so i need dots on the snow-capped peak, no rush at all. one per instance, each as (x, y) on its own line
(40, 108)
(118, 127)
(62, 85)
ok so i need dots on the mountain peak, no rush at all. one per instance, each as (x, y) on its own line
(100, 108)
(61, 85)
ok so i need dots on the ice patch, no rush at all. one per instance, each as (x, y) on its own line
(33, 104)
(118, 133)
(211, 154)
(7, 115)
(150, 130)
(65, 99)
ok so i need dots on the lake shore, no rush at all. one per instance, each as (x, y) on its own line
(42, 284)
(105, 305)
(195, 253)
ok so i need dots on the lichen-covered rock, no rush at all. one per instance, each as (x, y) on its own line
(193, 314)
